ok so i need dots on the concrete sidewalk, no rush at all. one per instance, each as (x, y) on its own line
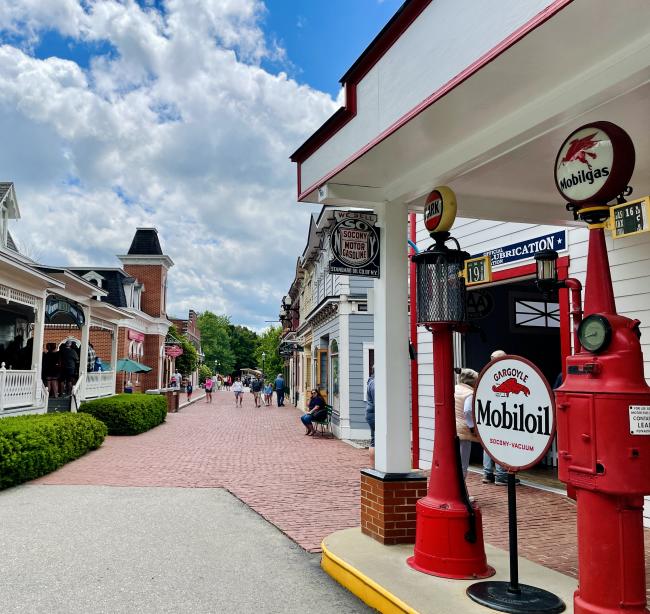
(82, 549)
(380, 577)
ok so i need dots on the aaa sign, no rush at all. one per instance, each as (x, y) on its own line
(514, 412)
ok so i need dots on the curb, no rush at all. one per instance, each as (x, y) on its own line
(360, 585)
(186, 404)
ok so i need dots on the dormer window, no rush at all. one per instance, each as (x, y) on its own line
(96, 279)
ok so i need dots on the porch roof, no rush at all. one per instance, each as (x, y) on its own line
(492, 126)
(19, 272)
(73, 283)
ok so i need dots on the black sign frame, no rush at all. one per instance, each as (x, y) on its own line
(622, 224)
(363, 224)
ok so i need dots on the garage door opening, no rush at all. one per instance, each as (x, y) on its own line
(518, 319)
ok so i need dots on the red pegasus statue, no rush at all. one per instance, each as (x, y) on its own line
(579, 150)
(511, 386)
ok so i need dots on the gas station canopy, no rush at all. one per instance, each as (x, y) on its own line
(454, 93)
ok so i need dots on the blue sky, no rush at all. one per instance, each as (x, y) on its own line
(177, 114)
(323, 38)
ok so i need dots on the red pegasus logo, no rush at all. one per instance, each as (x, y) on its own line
(579, 150)
(511, 386)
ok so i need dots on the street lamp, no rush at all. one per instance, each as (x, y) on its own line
(546, 279)
(263, 359)
(216, 367)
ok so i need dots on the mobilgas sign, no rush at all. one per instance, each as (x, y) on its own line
(526, 249)
(355, 244)
(594, 164)
(514, 412)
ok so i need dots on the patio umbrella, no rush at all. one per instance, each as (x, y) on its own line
(131, 366)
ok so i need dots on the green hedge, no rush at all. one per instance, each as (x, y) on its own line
(32, 446)
(128, 414)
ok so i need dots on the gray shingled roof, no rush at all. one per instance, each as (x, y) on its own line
(11, 243)
(5, 186)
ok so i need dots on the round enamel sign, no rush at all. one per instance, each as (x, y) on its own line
(514, 412)
(594, 164)
(440, 210)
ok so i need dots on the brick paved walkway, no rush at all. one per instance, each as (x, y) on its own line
(307, 487)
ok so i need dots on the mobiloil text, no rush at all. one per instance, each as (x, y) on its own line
(515, 419)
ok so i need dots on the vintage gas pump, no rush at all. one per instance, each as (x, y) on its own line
(449, 532)
(603, 406)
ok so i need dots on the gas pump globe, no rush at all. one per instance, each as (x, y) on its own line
(448, 533)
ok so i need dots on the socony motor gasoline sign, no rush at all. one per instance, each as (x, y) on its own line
(514, 412)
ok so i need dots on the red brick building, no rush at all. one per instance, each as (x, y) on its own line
(140, 288)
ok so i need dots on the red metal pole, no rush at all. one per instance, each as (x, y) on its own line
(449, 533)
(415, 400)
(610, 554)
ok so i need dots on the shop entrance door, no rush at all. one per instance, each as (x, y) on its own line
(516, 318)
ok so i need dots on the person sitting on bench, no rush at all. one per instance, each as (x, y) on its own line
(317, 412)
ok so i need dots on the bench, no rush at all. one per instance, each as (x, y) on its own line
(325, 425)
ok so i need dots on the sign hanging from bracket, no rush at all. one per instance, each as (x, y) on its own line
(477, 271)
(630, 218)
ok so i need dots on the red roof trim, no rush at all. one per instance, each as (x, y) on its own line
(330, 128)
(399, 23)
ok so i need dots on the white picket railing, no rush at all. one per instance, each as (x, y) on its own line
(99, 384)
(19, 389)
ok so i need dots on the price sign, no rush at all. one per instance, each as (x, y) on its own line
(630, 218)
(477, 271)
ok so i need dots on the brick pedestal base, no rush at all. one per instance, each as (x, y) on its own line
(388, 505)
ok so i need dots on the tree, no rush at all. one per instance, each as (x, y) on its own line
(188, 361)
(216, 341)
(204, 373)
(269, 344)
(244, 344)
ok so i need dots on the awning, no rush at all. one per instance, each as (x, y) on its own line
(131, 366)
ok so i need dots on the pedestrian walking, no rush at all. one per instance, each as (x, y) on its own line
(463, 398)
(209, 383)
(238, 389)
(189, 388)
(279, 389)
(493, 473)
(268, 394)
(370, 414)
(256, 389)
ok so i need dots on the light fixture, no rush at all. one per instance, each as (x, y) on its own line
(546, 273)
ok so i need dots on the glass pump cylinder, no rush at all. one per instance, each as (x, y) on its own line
(440, 285)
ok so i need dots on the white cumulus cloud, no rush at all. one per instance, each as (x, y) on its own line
(172, 122)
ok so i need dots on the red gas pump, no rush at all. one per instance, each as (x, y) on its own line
(603, 445)
(448, 534)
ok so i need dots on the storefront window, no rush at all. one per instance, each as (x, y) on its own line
(335, 367)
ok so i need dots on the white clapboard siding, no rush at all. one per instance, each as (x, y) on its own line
(630, 270)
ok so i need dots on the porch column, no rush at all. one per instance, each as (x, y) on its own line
(115, 335)
(39, 332)
(344, 367)
(37, 347)
(83, 351)
(392, 416)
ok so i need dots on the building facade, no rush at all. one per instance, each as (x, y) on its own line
(334, 331)
(483, 107)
